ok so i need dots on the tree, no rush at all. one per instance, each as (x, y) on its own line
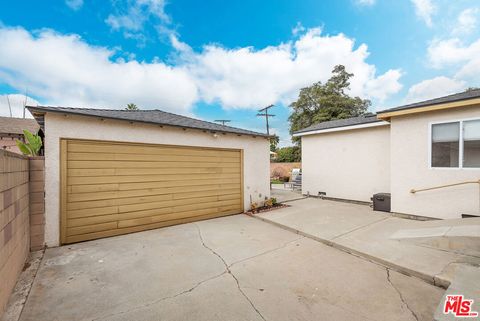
(471, 89)
(274, 143)
(289, 154)
(132, 106)
(324, 102)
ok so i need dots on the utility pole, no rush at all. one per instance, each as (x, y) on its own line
(264, 112)
(223, 121)
(9, 106)
(25, 102)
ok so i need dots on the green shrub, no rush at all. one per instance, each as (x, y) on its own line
(32, 144)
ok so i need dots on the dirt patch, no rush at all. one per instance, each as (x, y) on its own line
(266, 209)
(22, 288)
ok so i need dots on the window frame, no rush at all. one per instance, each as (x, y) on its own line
(460, 148)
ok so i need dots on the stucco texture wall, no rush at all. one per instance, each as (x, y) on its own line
(351, 164)
(410, 169)
(255, 151)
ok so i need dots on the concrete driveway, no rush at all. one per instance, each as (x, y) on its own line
(232, 268)
(283, 194)
(371, 234)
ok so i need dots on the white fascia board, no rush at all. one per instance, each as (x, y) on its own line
(344, 128)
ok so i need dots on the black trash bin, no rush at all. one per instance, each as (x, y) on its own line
(381, 202)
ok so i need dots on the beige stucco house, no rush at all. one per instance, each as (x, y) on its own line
(111, 172)
(418, 146)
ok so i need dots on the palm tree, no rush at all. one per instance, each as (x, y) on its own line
(132, 106)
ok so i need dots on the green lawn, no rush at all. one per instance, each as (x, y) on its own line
(276, 181)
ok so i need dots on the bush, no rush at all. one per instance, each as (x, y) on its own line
(289, 154)
(279, 172)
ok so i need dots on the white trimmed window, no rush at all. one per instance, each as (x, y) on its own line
(455, 144)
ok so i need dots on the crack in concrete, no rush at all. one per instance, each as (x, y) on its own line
(138, 307)
(227, 270)
(400, 295)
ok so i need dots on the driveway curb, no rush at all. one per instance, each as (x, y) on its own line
(431, 279)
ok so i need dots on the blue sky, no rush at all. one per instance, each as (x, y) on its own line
(226, 59)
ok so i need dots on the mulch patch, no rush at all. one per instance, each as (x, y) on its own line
(264, 209)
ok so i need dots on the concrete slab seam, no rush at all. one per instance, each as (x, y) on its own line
(360, 227)
(267, 252)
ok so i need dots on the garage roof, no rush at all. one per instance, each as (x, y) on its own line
(367, 120)
(466, 98)
(155, 116)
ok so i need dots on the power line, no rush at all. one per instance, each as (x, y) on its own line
(264, 112)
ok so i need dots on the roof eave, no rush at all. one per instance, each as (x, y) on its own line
(386, 115)
(342, 128)
(41, 111)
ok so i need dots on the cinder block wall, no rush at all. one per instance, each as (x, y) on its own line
(14, 220)
(37, 203)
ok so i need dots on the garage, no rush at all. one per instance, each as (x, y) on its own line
(115, 188)
(113, 172)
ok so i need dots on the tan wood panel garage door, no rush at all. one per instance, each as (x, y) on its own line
(111, 188)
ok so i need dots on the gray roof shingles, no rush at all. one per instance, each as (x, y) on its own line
(360, 120)
(470, 94)
(155, 116)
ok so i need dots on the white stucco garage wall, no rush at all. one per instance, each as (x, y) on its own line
(410, 144)
(348, 164)
(255, 153)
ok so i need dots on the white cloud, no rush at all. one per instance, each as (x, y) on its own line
(365, 2)
(298, 29)
(449, 54)
(248, 78)
(453, 52)
(17, 102)
(384, 85)
(65, 70)
(446, 52)
(74, 4)
(433, 88)
(466, 21)
(133, 16)
(425, 9)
